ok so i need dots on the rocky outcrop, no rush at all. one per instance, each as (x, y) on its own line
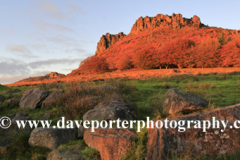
(54, 75)
(165, 21)
(33, 98)
(194, 140)
(52, 137)
(107, 40)
(68, 153)
(111, 110)
(179, 101)
(51, 100)
(111, 143)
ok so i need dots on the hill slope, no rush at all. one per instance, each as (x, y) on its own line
(151, 40)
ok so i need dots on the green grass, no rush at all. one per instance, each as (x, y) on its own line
(146, 96)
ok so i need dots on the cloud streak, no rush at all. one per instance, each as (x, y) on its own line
(52, 10)
(45, 26)
(17, 48)
(37, 64)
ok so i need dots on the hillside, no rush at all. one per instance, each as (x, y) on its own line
(169, 41)
(156, 43)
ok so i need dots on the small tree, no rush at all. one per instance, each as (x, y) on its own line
(124, 63)
(173, 53)
(221, 39)
(230, 53)
(94, 64)
(146, 58)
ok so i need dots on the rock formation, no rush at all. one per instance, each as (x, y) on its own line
(111, 143)
(33, 98)
(165, 21)
(107, 40)
(179, 101)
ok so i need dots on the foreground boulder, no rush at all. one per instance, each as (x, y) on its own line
(33, 98)
(179, 101)
(52, 138)
(52, 98)
(14, 127)
(111, 143)
(111, 110)
(213, 142)
(13, 101)
(68, 153)
(2, 98)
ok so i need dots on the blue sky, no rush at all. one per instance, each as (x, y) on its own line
(40, 36)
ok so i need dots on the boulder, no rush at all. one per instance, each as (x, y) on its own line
(52, 137)
(14, 127)
(2, 98)
(179, 101)
(111, 110)
(212, 142)
(13, 101)
(33, 98)
(13, 91)
(111, 143)
(52, 98)
(68, 153)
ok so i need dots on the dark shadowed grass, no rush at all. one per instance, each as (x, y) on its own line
(20, 149)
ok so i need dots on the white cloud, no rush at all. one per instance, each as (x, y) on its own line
(44, 26)
(17, 48)
(52, 10)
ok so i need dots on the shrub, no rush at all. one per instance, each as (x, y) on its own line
(146, 58)
(230, 53)
(94, 64)
(221, 39)
(124, 63)
(207, 54)
(173, 53)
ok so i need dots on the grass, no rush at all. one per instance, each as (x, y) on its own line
(146, 96)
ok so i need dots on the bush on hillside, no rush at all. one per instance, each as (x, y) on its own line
(173, 53)
(230, 53)
(207, 54)
(124, 63)
(94, 64)
(146, 58)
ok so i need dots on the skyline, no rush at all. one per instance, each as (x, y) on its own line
(38, 37)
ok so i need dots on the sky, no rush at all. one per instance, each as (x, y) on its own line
(41, 36)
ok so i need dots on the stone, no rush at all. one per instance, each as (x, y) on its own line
(14, 127)
(111, 143)
(193, 140)
(111, 109)
(2, 98)
(164, 21)
(177, 101)
(107, 40)
(68, 153)
(13, 101)
(33, 98)
(51, 100)
(52, 138)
